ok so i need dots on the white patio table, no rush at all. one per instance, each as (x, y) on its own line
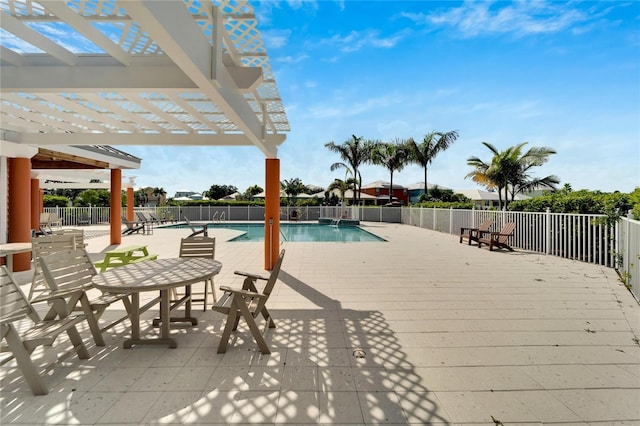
(9, 249)
(162, 275)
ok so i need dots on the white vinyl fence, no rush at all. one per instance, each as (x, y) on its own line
(572, 236)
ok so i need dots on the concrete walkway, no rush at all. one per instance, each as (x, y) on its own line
(416, 330)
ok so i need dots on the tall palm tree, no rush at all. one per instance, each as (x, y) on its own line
(432, 144)
(354, 153)
(392, 155)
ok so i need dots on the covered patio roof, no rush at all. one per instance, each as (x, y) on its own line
(137, 73)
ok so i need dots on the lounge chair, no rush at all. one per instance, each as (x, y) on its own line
(498, 239)
(247, 303)
(204, 247)
(132, 226)
(15, 307)
(195, 231)
(44, 225)
(471, 234)
(68, 271)
(293, 216)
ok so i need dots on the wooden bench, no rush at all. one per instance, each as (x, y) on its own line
(498, 239)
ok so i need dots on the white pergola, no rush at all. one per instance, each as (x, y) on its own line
(137, 72)
(97, 73)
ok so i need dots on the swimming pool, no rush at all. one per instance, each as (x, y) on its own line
(296, 232)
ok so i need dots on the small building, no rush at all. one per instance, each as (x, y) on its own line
(485, 199)
(380, 190)
(186, 194)
(415, 190)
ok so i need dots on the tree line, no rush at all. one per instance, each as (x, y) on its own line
(508, 172)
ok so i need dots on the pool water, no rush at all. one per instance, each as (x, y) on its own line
(298, 232)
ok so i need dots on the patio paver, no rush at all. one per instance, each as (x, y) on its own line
(445, 333)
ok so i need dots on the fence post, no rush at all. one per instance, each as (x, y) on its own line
(450, 220)
(473, 216)
(434, 219)
(547, 229)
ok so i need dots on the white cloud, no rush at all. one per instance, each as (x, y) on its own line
(335, 108)
(357, 40)
(275, 39)
(519, 18)
(292, 59)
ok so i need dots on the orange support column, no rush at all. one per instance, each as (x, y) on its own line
(130, 204)
(19, 203)
(35, 204)
(271, 212)
(116, 206)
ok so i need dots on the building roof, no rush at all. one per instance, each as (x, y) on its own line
(479, 194)
(381, 184)
(420, 185)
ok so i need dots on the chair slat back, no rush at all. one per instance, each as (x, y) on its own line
(274, 275)
(506, 231)
(13, 302)
(44, 246)
(486, 225)
(77, 233)
(198, 246)
(69, 269)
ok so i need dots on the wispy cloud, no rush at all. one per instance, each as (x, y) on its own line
(519, 18)
(357, 40)
(336, 109)
(275, 39)
(12, 42)
(291, 59)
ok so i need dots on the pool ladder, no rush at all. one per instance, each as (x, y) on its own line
(217, 218)
(335, 222)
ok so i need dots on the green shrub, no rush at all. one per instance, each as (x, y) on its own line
(446, 205)
(583, 202)
(55, 201)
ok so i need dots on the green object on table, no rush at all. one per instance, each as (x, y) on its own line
(124, 256)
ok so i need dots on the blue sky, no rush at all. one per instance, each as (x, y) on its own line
(559, 74)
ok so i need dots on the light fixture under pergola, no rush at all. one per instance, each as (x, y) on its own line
(137, 73)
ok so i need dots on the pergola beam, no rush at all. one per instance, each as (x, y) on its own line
(83, 78)
(159, 139)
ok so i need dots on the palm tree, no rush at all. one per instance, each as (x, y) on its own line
(491, 175)
(160, 194)
(342, 186)
(292, 187)
(521, 181)
(508, 170)
(354, 153)
(432, 144)
(392, 155)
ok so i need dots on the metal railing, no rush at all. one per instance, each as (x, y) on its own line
(572, 236)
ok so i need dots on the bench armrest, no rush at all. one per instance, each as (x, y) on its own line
(243, 292)
(247, 274)
(57, 294)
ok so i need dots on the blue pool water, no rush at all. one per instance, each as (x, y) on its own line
(298, 232)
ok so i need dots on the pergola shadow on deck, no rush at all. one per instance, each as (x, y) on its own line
(418, 329)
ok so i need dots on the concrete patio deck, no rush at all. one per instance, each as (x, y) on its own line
(451, 334)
